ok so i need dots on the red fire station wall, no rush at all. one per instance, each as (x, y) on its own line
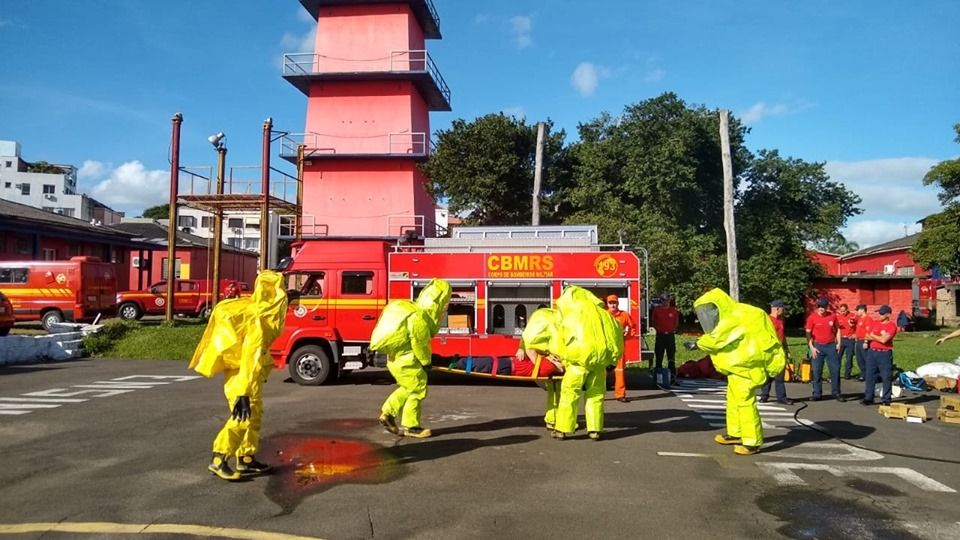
(367, 198)
(365, 37)
(195, 263)
(829, 262)
(897, 293)
(873, 264)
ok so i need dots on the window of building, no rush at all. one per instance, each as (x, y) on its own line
(287, 224)
(24, 189)
(206, 222)
(356, 282)
(49, 189)
(9, 164)
(49, 254)
(905, 271)
(6, 185)
(252, 224)
(235, 241)
(69, 212)
(186, 221)
(21, 245)
(251, 243)
(48, 209)
(163, 268)
(235, 223)
(14, 275)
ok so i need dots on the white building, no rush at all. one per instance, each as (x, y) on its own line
(240, 229)
(50, 187)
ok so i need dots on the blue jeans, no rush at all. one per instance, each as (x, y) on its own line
(781, 389)
(847, 348)
(881, 361)
(861, 354)
(827, 352)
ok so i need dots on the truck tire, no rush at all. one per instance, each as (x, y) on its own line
(205, 312)
(129, 311)
(51, 318)
(4, 331)
(310, 365)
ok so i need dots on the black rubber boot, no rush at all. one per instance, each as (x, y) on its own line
(247, 465)
(220, 467)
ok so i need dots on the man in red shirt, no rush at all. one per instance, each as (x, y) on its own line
(629, 330)
(863, 325)
(821, 330)
(664, 319)
(880, 356)
(846, 340)
(777, 309)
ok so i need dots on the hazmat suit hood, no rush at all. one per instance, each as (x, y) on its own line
(590, 335)
(742, 341)
(433, 300)
(241, 330)
(542, 332)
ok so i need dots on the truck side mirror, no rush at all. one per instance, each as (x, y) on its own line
(284, 264)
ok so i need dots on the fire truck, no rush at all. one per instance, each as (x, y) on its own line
(499, 276)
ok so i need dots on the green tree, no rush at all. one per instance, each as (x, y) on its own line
(485, 168)
(939, 242)
(161, 211)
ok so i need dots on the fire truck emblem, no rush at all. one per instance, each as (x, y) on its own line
(61, 278)
(606, 266)
(158, 301)
(301, 311)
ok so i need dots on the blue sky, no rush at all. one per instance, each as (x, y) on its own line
(870, 87)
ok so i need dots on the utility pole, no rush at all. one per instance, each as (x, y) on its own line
(265, 229)
(172, 216)
(537, 174)
(728, 221)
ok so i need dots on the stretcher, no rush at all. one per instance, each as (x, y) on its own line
(470, 373)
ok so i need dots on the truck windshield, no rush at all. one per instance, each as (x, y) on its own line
(306, 284)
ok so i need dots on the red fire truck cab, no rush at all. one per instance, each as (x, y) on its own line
(338, 287)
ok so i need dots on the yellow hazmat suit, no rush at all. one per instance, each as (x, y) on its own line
(542, 334)
(591, 340)
(236, 343)
(403, 332)
(744, 346)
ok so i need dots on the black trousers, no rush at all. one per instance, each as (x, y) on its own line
(665, 343)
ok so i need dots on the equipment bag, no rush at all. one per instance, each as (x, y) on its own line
(806, 371)
(789, 372)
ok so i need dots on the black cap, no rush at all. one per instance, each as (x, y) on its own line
(778, 303)
(884, 309)
(823, 302)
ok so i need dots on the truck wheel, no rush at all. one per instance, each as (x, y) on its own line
(51, 318)
(310, 365)
(205, 312)
(4, 331)
(129, 311)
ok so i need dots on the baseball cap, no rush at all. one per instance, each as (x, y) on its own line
(884, 309)
(777, 303)
(823, 302)
(612, 298)
(861, 306)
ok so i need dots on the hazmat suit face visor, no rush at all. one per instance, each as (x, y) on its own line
(708, 315)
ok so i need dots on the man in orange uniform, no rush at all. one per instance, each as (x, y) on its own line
(629, 330)
(664, 319)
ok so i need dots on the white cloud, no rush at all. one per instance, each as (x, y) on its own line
(305, 16)
(522, 28)
(131, 188)
(893, 196)
(300, 43)
(516, 111)
(93, 169)
(870, 232)
(760, 110)
(586, 77)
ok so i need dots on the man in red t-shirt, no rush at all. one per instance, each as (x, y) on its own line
(846, 341)
(518, 366)
(664, 319)
(629, 330)
(777, 309)
(880, 356)
(821, 330)
(860, 347)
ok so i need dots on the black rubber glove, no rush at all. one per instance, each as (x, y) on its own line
(241, 409)
(690, 345)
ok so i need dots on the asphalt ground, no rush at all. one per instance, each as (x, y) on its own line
(123, 446)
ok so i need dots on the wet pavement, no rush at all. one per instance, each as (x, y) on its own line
(127, 442)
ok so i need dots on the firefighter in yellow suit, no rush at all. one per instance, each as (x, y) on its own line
(236, 343)
(592, 340)
(541, 337)
(744, 346)
(403, 332)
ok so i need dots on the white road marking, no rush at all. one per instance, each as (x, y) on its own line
(101, 528)
(43, 400)
(666, 420)
(784, 475)
(682, 454)
(834, 452)
(21, 406)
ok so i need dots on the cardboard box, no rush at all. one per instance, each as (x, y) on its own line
(458, 321)
(903, 411)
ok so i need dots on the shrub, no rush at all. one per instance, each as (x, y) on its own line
(112, 331)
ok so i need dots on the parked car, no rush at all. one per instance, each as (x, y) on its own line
(6, 315)
(191, 298)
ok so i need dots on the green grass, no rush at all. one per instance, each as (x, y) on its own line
(910, 349)
(149, 341)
